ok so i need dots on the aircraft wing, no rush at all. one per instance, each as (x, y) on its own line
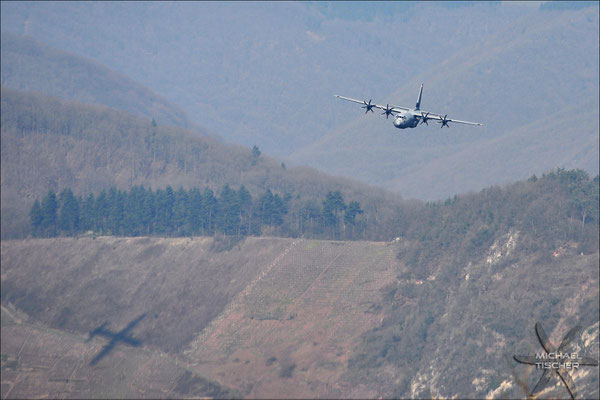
(439, 117)
(130, 326)
(392, 108)
(103, 352)
(396, 109)
(101, 332)
(130, 341)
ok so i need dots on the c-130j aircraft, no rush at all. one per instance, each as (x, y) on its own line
(405, 117)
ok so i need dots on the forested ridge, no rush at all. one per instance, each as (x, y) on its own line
(559, 207)
(69, 169)
(50, 144)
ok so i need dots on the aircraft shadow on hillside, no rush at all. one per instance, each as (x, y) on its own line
(115, 338)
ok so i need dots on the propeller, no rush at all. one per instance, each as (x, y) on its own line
(369, 107)
(424, 118)
(444, 122)
(388, 111)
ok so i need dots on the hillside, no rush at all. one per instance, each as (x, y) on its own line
(433, 313)
(286, 317)
(29, 65)
(39, 362)
(528, 73)
(48, 144)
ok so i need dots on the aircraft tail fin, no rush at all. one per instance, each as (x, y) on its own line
(418, 105)
(98, 331)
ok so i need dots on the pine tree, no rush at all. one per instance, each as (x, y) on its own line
(101, 214)
(169, 202)
(245, 207)
(69, 212)
(229, 211)
(132, 212)
(255, 154)
(351, 212)
(209, 211)
(36, 217)
(147, 210)
(350, 216)
(164, 201)
(87, 220)
(194, 215)
(265, 208)
(49, 214)
(180, 211)
(116, 208)
(333, 205)
(278, 210)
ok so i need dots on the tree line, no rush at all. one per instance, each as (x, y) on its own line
(558, 207)
(167, 212)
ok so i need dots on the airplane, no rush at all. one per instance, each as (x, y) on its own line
(405, 117)
(120, 336)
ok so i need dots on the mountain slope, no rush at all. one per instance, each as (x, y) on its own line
(52, 144)
(60, 360)
(29, 65)
(302, 318)
(534, 86)
(277, 64)
(433, 313)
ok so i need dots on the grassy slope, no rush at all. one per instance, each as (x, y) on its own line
(302, 318)
(180, 283)
(39, 362)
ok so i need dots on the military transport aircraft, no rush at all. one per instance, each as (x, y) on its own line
(405, 117)
(115, 337)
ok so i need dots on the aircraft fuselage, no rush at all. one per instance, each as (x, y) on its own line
(406, 119)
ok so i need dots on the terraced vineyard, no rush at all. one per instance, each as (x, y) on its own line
(190, 289)
(300, 321)
(38, 362)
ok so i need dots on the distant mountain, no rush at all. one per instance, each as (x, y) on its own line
(30, 65)
(265, 73)
(49, 143)
(534, 86)
(261, 73)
